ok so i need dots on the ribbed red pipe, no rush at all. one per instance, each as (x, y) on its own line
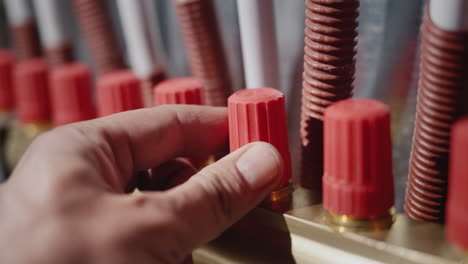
(442, 89)
(202, 38)
(96, 26)
(329, 65)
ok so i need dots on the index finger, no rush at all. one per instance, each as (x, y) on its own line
(113, 148)
(155, 135)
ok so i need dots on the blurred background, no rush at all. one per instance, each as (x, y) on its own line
(387, 58)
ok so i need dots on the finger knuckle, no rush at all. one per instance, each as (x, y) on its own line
(44, 139)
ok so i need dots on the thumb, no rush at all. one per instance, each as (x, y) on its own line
(221, 193)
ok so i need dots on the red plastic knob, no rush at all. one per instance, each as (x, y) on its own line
(179, 91)
(32, 91)
(6, 80)
(119, 91)
(260, 115)
(457, 201)
(71, 94)
(358, 176)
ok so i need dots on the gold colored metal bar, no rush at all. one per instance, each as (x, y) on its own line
(301, 234)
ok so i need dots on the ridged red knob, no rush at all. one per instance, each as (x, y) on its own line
(179, 91)
(358, 176)
(71, 94)
(119, 91)
(6, 80)
(457, 202)
(260, 115)
(32, 91)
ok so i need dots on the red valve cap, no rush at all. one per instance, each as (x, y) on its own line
(179, 91)
(71, 91)
(358, 176)
(119, 91)
(457, 201)
(32, 91)
(259, 115)
(6, 80)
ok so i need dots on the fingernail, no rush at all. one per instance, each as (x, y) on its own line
(259, 165)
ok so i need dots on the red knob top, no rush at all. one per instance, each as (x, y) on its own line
(457, 202)
(358, 176)
(71, 94)
(6, 80)
(32, 91)
(259, 115)
(119, 91)
(179, 91)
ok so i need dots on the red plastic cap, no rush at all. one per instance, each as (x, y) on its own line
(358, 176)
(32, 91)
(457, 201)
(260, 115)
(119, 91)
(6, 80)
(72, 99)
(179, 91)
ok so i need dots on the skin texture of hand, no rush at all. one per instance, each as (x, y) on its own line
(67, 200)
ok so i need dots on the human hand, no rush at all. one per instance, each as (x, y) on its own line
(66, 201)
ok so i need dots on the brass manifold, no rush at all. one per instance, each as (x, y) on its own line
(301, 231)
